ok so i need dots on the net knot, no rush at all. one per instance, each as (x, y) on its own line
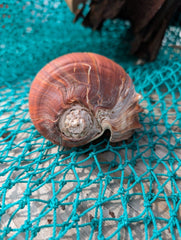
(175, 197)
(147, 220)
(22, 203)
(72, 164)
(150, 168)
(8, 184)
(28, 140)
(98, 203)
(160, 189)
(54, 203)
(34, 231)
(173, 214)
(25, 120)
(62, 183)
(108, 179)
(121, 191)
(94, 222)
(114, 164)
(29, 169)
(120, 168)
(156, 234)
(7, 230)
(27, 192)
(16, 168)
(147, 204)
(49, 178)
(125, 221)
(65, 224)
(78, 189)
(150, 195)
(174, 220)
(172, 160)
(48, 144)
(171, 147)
(39, 181)
(91, 155)
(101, 237)
(137, 179)
(87, 181)
(75, 218)
(26, 226)
(132, 178)
(100, 175)
(56, 163)
(171, 175)
(152, 145)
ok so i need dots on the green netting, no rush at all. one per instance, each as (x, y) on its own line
(131, 190)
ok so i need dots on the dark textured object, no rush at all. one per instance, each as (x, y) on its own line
(75, 98)
(149, 20)
(102, 10)
(147, 40)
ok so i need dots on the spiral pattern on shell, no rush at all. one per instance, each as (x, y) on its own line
(76, 97)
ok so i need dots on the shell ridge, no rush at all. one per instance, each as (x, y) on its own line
(52, 78)
(73, 85)
(92, 57)
(88, 83)
(44, 95)
(57, 75)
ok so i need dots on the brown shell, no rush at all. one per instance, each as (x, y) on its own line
(91, 81)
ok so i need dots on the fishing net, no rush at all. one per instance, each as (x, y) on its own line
(130, 190)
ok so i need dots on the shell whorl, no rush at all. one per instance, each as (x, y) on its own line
(76, 97)
(76, 122)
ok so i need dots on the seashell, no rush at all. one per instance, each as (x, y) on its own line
(78, 96)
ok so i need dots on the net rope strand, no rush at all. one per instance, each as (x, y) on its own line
(102, 191)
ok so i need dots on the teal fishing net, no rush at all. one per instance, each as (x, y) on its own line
(130, 190)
